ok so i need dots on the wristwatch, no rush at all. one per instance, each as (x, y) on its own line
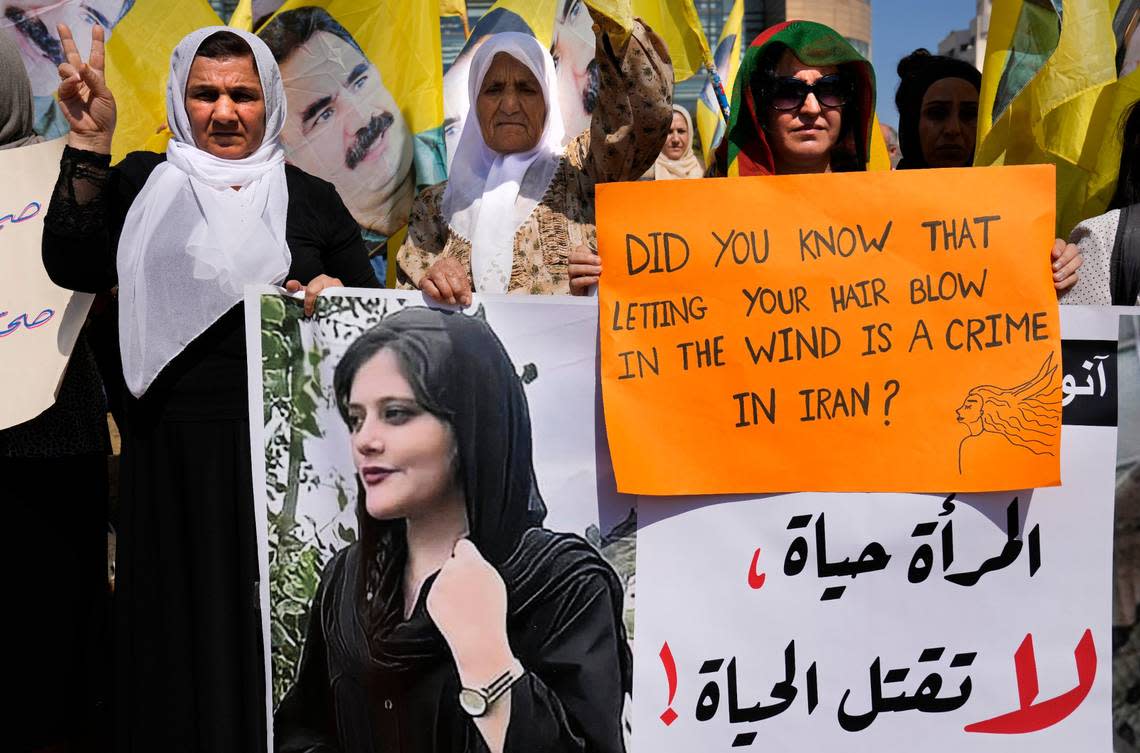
(476, 701)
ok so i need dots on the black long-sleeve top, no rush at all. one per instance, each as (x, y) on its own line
(569, 640)
(81, 237)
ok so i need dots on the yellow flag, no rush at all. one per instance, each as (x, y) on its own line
(457, 8)
(1049, 86)
(138, 62)
(710, 121)
(140, 35)
(879, 158)
(363, 83)
(249, 14)
(242, 17)
(679, 25)
(620, 11)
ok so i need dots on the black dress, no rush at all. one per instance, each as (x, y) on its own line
(54, 472)
(564, 626)
(188, 661)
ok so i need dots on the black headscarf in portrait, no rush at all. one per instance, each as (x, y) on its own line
(460, 372)
(917, 72)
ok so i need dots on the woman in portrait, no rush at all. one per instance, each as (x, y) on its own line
(516, 214)
(677, 161)
(455, 623)
(1004, 422)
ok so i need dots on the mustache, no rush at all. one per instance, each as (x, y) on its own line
(37, 32)
(366, 137)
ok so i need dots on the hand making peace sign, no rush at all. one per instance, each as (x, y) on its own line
(84, 98)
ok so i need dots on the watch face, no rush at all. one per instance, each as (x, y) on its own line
(473, 702)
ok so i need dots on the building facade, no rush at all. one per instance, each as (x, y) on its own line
(969, 44)
(851, 18)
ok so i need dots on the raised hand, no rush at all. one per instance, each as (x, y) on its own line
(84, 98)
(468, 603)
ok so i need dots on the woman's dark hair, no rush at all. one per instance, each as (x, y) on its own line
(917, 72)
(223, 44)
(419, 359)
(1128, 181)
(851, 114)
(421, 356)
(459, 372)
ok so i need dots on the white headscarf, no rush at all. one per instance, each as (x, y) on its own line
(190, 243)
(489, 195)
(684, 167)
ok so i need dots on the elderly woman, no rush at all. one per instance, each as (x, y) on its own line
(937, 101)
(54, 471)
(517, 213)
(456, 623)
(180, 234)
(677, 161)
(803, 102)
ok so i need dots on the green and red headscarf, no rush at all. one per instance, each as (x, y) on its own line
(745, 149)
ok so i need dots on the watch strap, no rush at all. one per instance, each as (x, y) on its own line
(501, 684)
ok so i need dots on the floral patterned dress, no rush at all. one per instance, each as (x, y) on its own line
(626, 134)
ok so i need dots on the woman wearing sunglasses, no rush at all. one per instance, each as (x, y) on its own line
(803, 103)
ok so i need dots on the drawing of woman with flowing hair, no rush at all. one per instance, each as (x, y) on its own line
(1026, 416)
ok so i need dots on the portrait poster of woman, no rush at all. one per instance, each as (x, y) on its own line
(499, 378)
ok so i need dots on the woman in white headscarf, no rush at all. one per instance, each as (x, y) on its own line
(181, 234)
(517, 212)
(677, 161)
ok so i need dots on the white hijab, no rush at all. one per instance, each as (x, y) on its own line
(684, 167)
(489, 195)
(190, 243)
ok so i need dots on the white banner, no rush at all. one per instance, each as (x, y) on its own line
(304, 477)
(846, 622)
(881, 621)
(39, 321)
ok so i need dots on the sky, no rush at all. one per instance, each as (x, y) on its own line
(900, 26)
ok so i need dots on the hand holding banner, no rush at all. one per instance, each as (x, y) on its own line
(906, 322)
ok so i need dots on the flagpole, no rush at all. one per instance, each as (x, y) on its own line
(718, 87)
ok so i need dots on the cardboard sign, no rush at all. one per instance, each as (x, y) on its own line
(39, 321)
(841, 332)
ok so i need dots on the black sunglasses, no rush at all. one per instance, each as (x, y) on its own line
(789, 93)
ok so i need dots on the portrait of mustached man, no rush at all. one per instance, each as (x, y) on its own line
(31, 24)
(344, 125)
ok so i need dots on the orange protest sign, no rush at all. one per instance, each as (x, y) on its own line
(840, 332)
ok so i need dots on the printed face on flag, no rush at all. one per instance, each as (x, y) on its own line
(343, 125)
(573, 52)
(32, 25)
(456, 101)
